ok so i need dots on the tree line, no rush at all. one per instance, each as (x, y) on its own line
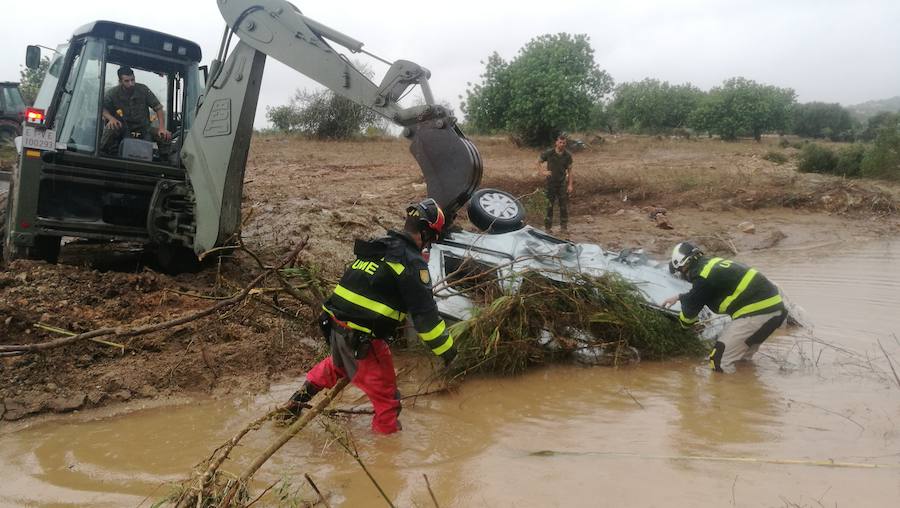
(553, 84)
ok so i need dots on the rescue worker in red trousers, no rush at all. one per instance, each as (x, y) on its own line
(388, 279)
(727, 287)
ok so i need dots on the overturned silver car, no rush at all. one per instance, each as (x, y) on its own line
(508, 248)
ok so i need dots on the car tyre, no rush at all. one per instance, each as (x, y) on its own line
(496, 211)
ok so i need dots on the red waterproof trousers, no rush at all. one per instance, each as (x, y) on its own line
(374, 375)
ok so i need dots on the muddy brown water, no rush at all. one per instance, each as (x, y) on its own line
(814, 421)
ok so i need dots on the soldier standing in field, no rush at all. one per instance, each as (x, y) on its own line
(558, 174)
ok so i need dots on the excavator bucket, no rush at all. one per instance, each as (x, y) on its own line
(449, 161)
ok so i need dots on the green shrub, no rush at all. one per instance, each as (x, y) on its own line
(783, 143)
(882, 160)
(849, 160)
(776, 157)
(815, 158)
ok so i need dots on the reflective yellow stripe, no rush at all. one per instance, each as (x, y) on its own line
(435, 332)
(396, 267)
(367, 303)
(685, 321)
(349, 323)
(753, 307)
(742, 285)
(709, 266)
(443, 349)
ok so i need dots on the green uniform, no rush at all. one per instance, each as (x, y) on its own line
(558, 164)
(132, 108)
(133, 111)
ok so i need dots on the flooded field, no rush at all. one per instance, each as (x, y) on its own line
(814, 421)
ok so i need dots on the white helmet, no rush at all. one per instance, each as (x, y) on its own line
(682, 254)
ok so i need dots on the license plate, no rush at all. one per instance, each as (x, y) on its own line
(36, 137)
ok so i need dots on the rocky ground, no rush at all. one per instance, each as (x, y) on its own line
(637, 192)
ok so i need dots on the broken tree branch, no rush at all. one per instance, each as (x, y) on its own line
(316, 489)
(291, 431)
(141, 330)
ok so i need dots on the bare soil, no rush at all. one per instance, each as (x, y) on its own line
(725, 196)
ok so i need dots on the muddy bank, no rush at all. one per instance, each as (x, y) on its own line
(236, 351)
(725, 196)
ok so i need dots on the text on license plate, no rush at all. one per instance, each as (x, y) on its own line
(35, 137)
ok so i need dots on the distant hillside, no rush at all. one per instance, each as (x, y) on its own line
(867, 109)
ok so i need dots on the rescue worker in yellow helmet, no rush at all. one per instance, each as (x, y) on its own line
(727, 287)
(388, 279)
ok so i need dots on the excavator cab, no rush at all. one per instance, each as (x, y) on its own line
(67, 182)
(185, 199)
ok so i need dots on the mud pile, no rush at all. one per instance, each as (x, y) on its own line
(238, 349)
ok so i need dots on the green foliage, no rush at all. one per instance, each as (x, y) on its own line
(323, 115)
(849, 160)
(742, 107)
(30, 80)
(284, 118)
(486, 104)
(821, 120)
(653, 107)
(326, 115)
(882, 160)
(552, 85)
(882, 120)
(502, 337)
(814, 158)
(775, 156)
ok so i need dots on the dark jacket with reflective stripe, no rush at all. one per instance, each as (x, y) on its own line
(727, 287)
(388, 280)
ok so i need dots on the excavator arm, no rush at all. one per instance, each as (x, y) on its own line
(215, 150)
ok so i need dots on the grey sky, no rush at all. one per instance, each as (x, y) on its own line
(832, 51)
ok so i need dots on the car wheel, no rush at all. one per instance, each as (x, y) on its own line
(495, 211)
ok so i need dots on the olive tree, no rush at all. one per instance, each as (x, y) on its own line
(821, 120)
(553, 84)
(743, 107)
(651, 106)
